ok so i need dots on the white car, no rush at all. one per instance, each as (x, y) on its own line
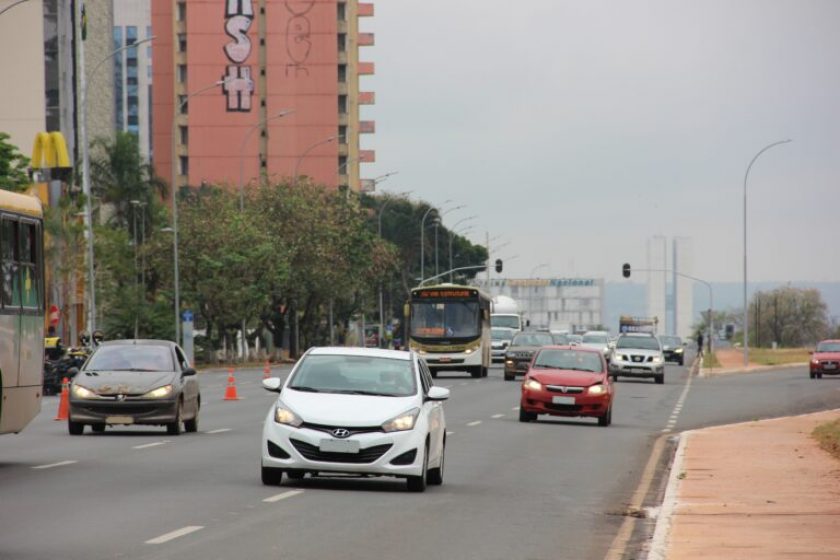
(638, 355)
(500, 340)
(359, 411)
(597, 340)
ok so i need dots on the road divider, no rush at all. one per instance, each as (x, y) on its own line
(53, 465)
(283, 496)
(184, 531)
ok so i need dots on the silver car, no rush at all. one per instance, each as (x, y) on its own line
(638, 355)
(500, 340)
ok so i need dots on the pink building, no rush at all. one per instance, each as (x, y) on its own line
(242, 63)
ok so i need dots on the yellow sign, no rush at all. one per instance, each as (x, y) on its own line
(50, 151)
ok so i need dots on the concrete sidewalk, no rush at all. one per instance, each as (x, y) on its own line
(755, 490)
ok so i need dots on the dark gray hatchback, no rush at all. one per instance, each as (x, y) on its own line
(127, 382)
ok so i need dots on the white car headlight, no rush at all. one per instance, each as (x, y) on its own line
(532, 384)
(159, 393)
(678, 350)
(597, 389)
(657, 359)
(468, 351)
(403, 422)
(284, 415)
(83, 392)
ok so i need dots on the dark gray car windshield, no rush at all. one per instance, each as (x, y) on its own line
(637, 342)
(577, 360)
(532, 339)
(828, 347)
(672, 341)
(132, 357)
(355, 375)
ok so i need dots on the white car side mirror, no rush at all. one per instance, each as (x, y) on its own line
(272, 384)
(438, 394)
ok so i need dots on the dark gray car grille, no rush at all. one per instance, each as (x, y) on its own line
(367, 455)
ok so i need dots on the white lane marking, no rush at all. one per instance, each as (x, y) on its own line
(463, 384)
(52, 465)
(449, 433)
(219, 431)
(476, 423)
(148, 445)
(515, 408)
(675, 413)
(497, 416)
(175, 534)
(283, 496)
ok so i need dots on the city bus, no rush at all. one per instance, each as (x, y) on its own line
(21, 310)
(449, 326)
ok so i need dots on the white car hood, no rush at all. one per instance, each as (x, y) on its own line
(346, 410)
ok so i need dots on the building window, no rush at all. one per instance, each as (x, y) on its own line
(118, 80)
(184, 134)
(342, 11)
(342, 42)
(342, 73)
(182, 11)
(184, 162)
(183, 104)
(342, 104)
(182, 42)
(182, 73)
(342, 133)
(342, 165)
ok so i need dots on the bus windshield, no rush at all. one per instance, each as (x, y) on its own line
(445, 319)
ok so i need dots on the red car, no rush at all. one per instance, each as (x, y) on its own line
(567, 381)
(825, 359)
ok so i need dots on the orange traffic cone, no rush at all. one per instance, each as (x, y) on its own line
(64, 401)
(266, 370)
(230, 390)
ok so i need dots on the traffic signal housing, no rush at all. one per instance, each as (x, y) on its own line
(625, 270)
(499, 265)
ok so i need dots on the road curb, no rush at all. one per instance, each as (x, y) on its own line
(715, 372)
(659, 543)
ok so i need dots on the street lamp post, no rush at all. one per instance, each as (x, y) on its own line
(437, 225)
(381, 297)
(174, 188)
(12, 5)
(86, 164)
(531, 291)
(423, 241)
(452, 234)
(306, 153)
(253, 127)
(746, 318)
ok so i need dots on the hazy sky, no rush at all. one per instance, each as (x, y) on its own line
(576, 130)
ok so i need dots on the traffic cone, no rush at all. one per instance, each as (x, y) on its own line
(266, 370)
(64, 401)
(230, 390)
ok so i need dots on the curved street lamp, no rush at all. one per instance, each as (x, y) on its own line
(423, 240)
(250, 130)
(746, 313)
(306, 153)
(86, 165)
(533, 287)
(12, 5)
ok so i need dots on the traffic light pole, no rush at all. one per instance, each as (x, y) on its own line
(442, 274)
(626, 272)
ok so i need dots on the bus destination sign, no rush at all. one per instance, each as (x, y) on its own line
(439, 293)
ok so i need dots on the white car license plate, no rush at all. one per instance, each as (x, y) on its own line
(829, 366)
(119, 420)
(563, 400)
(339, 446)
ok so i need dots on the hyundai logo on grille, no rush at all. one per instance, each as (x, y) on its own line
(341, 433)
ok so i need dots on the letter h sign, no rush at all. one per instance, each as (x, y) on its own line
(238, 85)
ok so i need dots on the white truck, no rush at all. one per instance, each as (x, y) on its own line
(505, 313)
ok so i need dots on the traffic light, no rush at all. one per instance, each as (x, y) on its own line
(625, 270)
(498, 265)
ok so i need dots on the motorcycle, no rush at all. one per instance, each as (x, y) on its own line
(60, 364)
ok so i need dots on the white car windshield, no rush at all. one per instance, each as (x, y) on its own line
(508, 321)
(532, 339)
(355, 375)
(638, 342)
(501, 334)
(595, 339)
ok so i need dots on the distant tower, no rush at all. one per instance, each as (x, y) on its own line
(683, 287)
(657, 253)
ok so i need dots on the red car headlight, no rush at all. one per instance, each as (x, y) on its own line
(532, 384)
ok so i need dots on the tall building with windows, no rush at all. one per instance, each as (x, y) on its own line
(223, 78)
(133, 71)
(657, 280)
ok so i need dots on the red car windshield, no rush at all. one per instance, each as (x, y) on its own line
(568, 359)
(828, 347)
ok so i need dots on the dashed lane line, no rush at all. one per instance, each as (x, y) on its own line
(149, 445)
(498, 416)
(283, 496)
(53, 465)
(175, 534)
(515, 408)
(449, 433)
(476, 423)
(219, 431)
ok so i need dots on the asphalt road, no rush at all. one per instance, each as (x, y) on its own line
(553, 489)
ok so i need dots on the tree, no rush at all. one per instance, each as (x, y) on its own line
(13, 166)
(788, 316)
